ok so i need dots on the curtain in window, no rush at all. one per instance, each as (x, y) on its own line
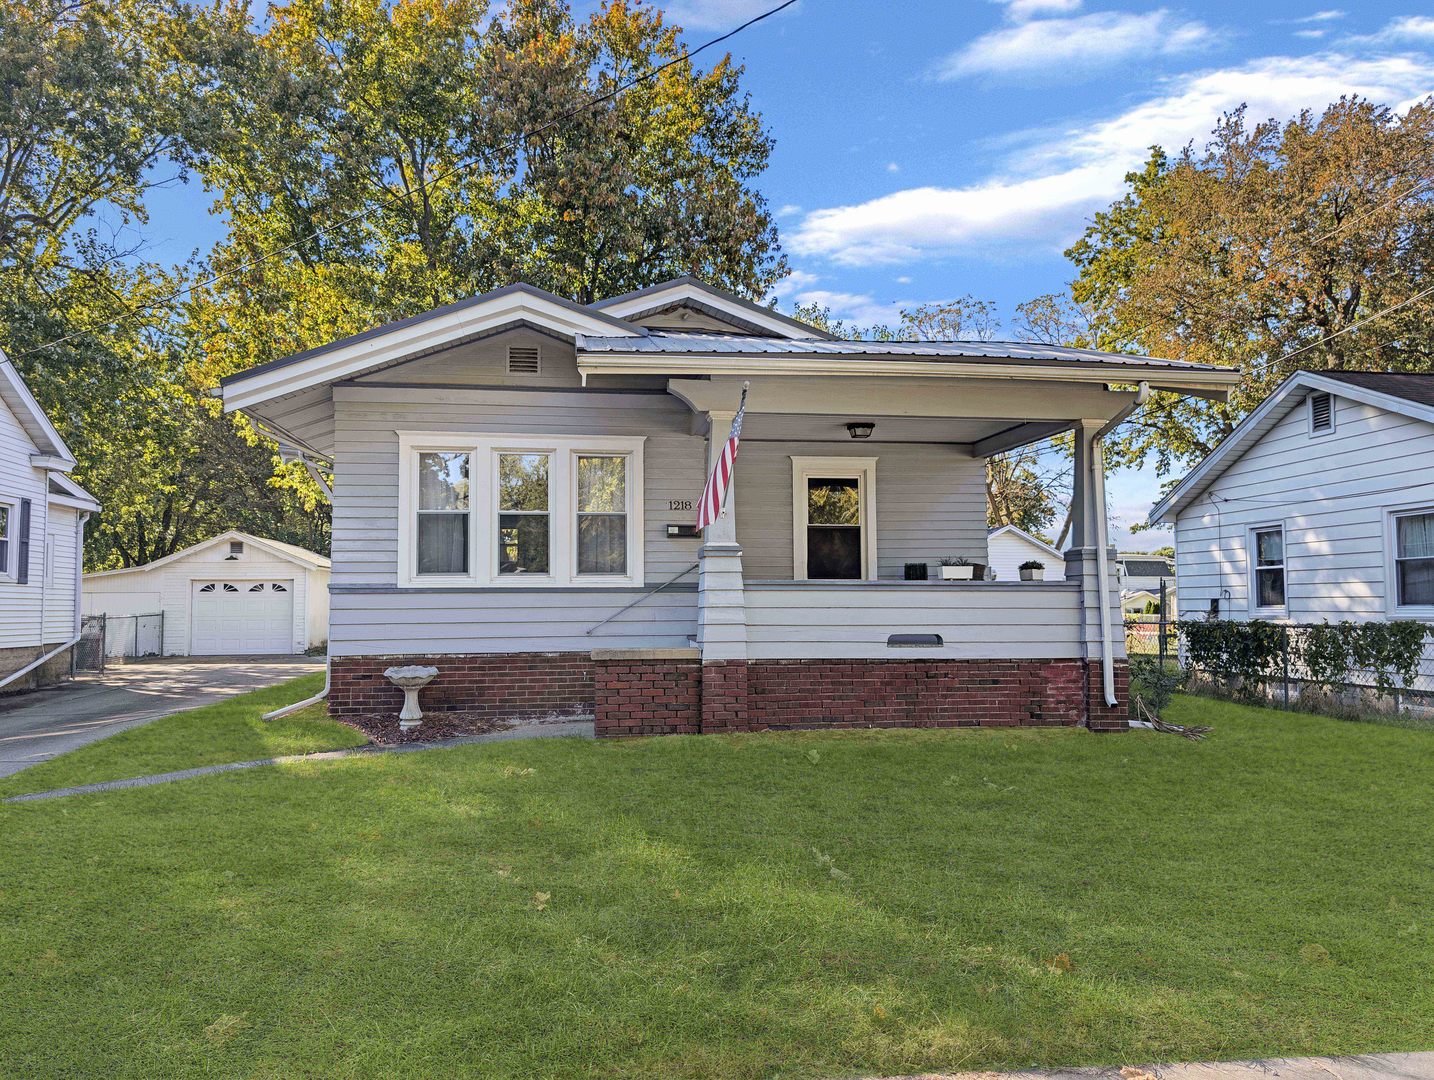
(1414, 556)
(443, 481)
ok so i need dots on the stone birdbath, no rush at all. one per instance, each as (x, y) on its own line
(410, 680)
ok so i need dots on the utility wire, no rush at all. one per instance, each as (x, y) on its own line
(1343, 330)
(515, 142)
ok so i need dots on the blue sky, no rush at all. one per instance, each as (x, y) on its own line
(927, 149)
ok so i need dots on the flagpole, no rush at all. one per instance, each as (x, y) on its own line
(741, 404)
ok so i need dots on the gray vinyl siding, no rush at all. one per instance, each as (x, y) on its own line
(930, 503)
(370, 616)
(1332, 493)
(976, 620)
(31, 615)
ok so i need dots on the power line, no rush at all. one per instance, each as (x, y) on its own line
(1343, 330)
(461, 167)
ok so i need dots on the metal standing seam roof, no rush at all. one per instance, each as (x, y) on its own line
(710, 343)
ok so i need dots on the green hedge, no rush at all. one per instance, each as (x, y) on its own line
(1326, 654)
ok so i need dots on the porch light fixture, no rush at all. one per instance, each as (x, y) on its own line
(860, 429)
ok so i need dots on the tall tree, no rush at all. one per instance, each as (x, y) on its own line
(1271, 249)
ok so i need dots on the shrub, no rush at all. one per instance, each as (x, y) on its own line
(1032, 564)
(1154, 682)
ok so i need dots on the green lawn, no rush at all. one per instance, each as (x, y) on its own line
(785, 905)
(215, 734)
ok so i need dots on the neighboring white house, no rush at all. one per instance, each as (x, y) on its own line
(1318, 506)
(1009, 546)
(232, 595)
(516, 483)
(42, 522)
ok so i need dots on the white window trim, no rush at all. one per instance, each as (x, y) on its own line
(863, 470)
(1309, 415)
(562, 508)
(1252, 561)
(1391, 563)
(12, 523)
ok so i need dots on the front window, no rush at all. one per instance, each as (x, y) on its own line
(833, 528)
(602, 514)
(523, 499)
(443, 512)
(1414, 559)
(1269, 545)
(520, 510)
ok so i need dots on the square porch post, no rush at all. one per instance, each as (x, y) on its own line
(722, 604)
(1088, 512)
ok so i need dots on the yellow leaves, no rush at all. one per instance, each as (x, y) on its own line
(512, 771)
(1060, 964)
(540, 900)
(225, 1028)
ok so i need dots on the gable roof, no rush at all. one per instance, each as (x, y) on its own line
(1019, 533)
(1408, 394)
(32, 418)
(292, 552)
(65, 492)
(1145, 566)
(688, 291)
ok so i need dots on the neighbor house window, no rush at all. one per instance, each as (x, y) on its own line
(7, 517)
(443, 512)
(1268, 546)
(1414, 558)
(520, 510)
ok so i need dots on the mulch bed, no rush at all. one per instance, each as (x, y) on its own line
(383, 728)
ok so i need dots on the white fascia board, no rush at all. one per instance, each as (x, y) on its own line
(781, 327)
(52, 462)
(1016, 530)
(1249, 430)
(647, 363)
(32, 418)
(381, 349)
(222, 538)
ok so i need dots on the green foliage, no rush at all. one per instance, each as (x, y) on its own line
(1328, 655)
(1032, 564)
(1155, 682)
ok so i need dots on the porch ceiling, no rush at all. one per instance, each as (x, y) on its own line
(766, 427)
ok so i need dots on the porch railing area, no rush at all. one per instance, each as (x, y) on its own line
(895, 620)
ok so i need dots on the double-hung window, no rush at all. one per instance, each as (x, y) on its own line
(520, 511)
(1414, 558)
(7, 529)
(1267, 549)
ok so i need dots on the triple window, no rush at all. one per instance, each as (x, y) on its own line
(521, 511)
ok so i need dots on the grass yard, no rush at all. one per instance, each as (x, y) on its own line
(227, 731)
(786, 905)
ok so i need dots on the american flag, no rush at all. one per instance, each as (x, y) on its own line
(714, 495)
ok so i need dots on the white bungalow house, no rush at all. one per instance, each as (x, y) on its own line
(231, 595)
(515, 482)
(1318, 506)
(1010, 546)
(42, 523)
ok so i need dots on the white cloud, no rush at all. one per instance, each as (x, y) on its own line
(794, 282)
(1026, 9)
(788, 209)
(1410, 28)
(860, 309)
(1056, 177)
(1082, 43)
(892, 166)
(1319, 16)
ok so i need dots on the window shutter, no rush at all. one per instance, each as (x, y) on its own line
(523, 360)
(1321, 412)
(22, 545)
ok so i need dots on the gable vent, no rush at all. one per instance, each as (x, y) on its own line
(523, 360)
(1321, 412)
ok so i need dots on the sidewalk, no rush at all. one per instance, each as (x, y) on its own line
(1419, 1066)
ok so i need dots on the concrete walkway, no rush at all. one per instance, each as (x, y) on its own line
(578, 728)
(36, 726)
(1418, 1066)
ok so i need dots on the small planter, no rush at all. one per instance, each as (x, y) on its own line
(1033, 575)
(958, 573)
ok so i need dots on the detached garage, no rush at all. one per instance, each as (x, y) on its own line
(234, 595)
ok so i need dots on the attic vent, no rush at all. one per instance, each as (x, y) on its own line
(236, 548)
(1321, 413)
(523, 360)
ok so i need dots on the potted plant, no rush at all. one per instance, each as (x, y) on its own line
(957, 569)
(1032, 570)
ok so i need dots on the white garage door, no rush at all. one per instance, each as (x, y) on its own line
(253, 618)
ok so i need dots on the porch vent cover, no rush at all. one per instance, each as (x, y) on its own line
(1321, 412)
(523, 360)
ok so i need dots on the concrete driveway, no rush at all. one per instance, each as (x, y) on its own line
(35, 727)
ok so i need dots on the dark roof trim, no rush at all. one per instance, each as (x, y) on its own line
(414, 320)
(736, 322)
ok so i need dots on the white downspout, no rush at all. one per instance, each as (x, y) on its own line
(79, 577)
(1102, 539)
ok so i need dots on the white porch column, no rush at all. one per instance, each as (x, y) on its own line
(722, 603)
(1088, 513)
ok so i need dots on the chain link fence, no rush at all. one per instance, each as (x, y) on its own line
(119, 637)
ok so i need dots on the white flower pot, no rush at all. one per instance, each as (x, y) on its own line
(1034, 575)
(958, 573)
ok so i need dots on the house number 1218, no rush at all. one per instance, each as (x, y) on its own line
(679, 504)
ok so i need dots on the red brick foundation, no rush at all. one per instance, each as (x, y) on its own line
(513, 686)
(669, 695)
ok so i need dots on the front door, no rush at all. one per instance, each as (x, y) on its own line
(835, 528)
